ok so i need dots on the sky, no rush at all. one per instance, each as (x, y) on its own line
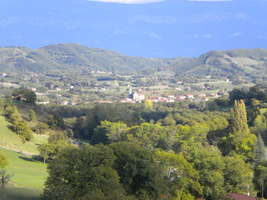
(149, 28)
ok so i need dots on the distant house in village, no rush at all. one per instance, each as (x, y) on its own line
(236, 196)
(136, 96)
(42, 102)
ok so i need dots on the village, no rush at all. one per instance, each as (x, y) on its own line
(101, 87)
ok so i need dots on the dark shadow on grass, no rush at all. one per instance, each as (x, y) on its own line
(31, 159)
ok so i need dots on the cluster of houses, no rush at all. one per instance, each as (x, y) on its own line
(187, 97)
(135, 97)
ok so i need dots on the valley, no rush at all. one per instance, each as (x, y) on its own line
(71, 74)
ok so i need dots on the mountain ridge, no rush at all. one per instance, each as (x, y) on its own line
(61, 57)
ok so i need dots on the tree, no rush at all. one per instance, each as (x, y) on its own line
(4, 176)
(32, 115)
(40, 128)
(260, 178)
(3, 161)
(2, 104)
(237, 94)
(256, 93)
(240, 140)
(260, 150)
(259, 124)
(168, 121)
(47, 151)
(149, 104)
(182, 178)
(208, 162)
(152, 136)
(108, 132)
(83, 173)
(26, 95)
(239, 117)
(22, 130)
(139, 173)
(56, 143)
(55, 121)
(11, 113)
(238, 175)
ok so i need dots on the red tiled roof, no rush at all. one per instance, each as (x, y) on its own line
(236, 196)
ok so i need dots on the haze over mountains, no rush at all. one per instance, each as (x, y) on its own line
(164, 29)
(249, 63)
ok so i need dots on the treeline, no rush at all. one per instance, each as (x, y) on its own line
(128, 171)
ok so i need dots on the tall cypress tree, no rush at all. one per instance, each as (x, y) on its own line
(239, 117)
(240, 139)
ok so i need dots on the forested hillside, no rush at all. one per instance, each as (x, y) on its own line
(245, 63)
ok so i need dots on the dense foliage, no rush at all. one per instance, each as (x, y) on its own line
(173, 151)
(183, 151)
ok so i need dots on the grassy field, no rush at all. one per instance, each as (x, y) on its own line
(9, 140)
(28, 176)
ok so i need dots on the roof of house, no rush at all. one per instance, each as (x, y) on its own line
(236, 196)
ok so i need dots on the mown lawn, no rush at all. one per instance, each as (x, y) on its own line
(28, 177)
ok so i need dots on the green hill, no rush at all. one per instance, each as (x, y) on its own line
(73, 58)
(245, 63)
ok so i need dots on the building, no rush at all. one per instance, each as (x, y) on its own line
(136, 96)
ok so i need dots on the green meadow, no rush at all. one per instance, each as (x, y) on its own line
(28, 175)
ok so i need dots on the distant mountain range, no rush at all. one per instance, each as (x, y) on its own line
(246, 63)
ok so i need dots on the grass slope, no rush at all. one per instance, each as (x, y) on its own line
(9, 140)
(28, 176)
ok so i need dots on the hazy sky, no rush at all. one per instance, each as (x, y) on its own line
(151, 28)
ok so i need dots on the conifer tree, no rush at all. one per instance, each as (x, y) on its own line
(239, 117)
(240, 139)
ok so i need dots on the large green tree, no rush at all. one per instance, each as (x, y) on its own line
(22, 129)
(208, 161)
(56, 143)
(82, 174)
(238, 175)
(182, 178)
(108, 132)
(24, 94)
(139, 172)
